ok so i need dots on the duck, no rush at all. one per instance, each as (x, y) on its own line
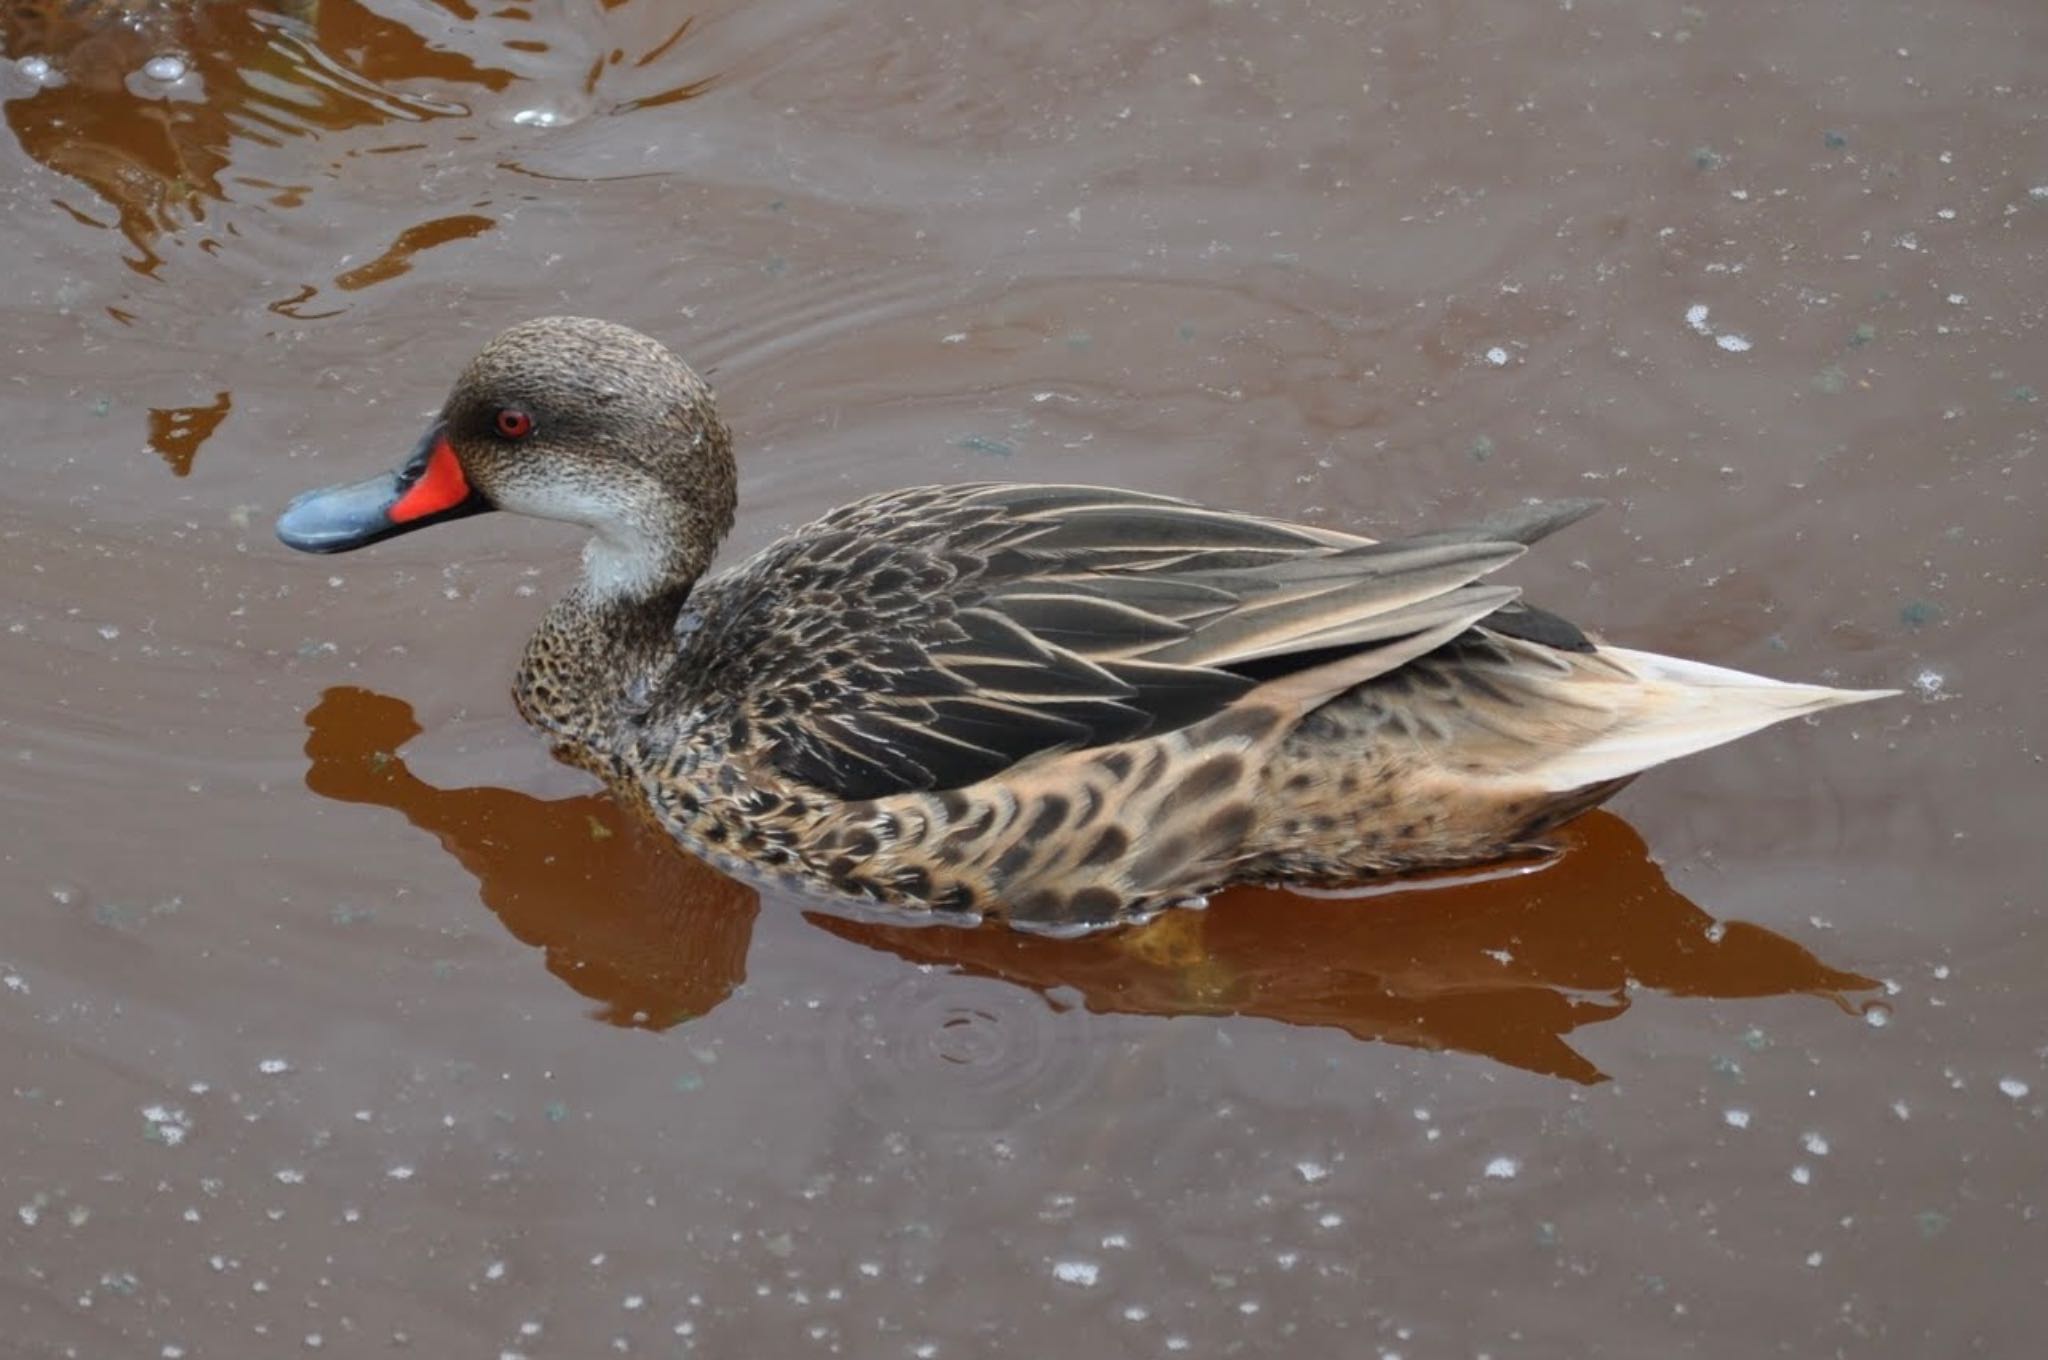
(1064, 707)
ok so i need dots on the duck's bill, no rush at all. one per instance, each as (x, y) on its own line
(429, 489)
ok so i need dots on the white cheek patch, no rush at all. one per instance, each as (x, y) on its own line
(560, 501)
(618, 567)
(622, 559)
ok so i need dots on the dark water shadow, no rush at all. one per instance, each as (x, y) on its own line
(1503, 967)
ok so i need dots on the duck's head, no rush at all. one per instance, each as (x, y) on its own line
(561, 418)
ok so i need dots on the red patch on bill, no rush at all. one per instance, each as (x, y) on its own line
(441, 487)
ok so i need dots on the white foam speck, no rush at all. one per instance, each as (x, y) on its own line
(290, 1175)
(1735, 1119)
(1136, 1312)
(167, 1124)
(1814, 1258)
(1734, 344)
(1330, 1220)
(495, 1271)
(1696, 317)
(1815, 1143)
(2014, 1087)
(1497, 356)
(1082, 1273)
(272, 1067)
(1503, 1169)
(2039, 193)
(1311, 1172)
(1929, 683)
(400, 1173)
(1802, 1174)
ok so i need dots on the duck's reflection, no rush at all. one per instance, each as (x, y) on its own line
(1505, 967)
(619, 913)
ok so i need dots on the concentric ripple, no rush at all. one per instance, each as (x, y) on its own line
(934, 1049)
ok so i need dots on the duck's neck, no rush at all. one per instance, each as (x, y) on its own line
(600, 648)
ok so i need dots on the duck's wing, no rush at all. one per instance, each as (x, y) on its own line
(931, 638)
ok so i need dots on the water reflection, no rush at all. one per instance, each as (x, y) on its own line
(624, 918)
(142, 101)
(1505, 967)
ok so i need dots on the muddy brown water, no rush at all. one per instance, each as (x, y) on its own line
(337, 1019)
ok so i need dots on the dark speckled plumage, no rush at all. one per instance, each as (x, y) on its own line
(1065, 705)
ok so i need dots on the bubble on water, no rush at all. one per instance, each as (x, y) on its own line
(1177, 1342)
(1331, 1219)
(1696, 317)
(2014, 1087)
(290, 1175)
(1902, 1109)
(1311, 1172)
(1877, 1015)
(167, 67)
(39, 70)
(1734, 344)
(1815, 1143)
(1814, 1258)
(495, 1271)
(1503, 1169)
(1081, 1273)
(272, 1067)
(1136, 1312)
(2039, 193)
(109, 631)
(633, 1303)
(400, 1172)
(1497, 356)
(540, 118)
(1735, 1118)
(1802, 1174)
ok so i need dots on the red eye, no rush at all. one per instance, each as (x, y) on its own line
(514, 423)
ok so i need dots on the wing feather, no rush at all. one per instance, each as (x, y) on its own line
(929, 638)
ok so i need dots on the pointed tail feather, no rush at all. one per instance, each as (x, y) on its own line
(1684, 707)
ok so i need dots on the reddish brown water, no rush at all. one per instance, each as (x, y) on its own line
(317, 1044)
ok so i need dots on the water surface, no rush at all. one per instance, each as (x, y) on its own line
(337, 1018)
